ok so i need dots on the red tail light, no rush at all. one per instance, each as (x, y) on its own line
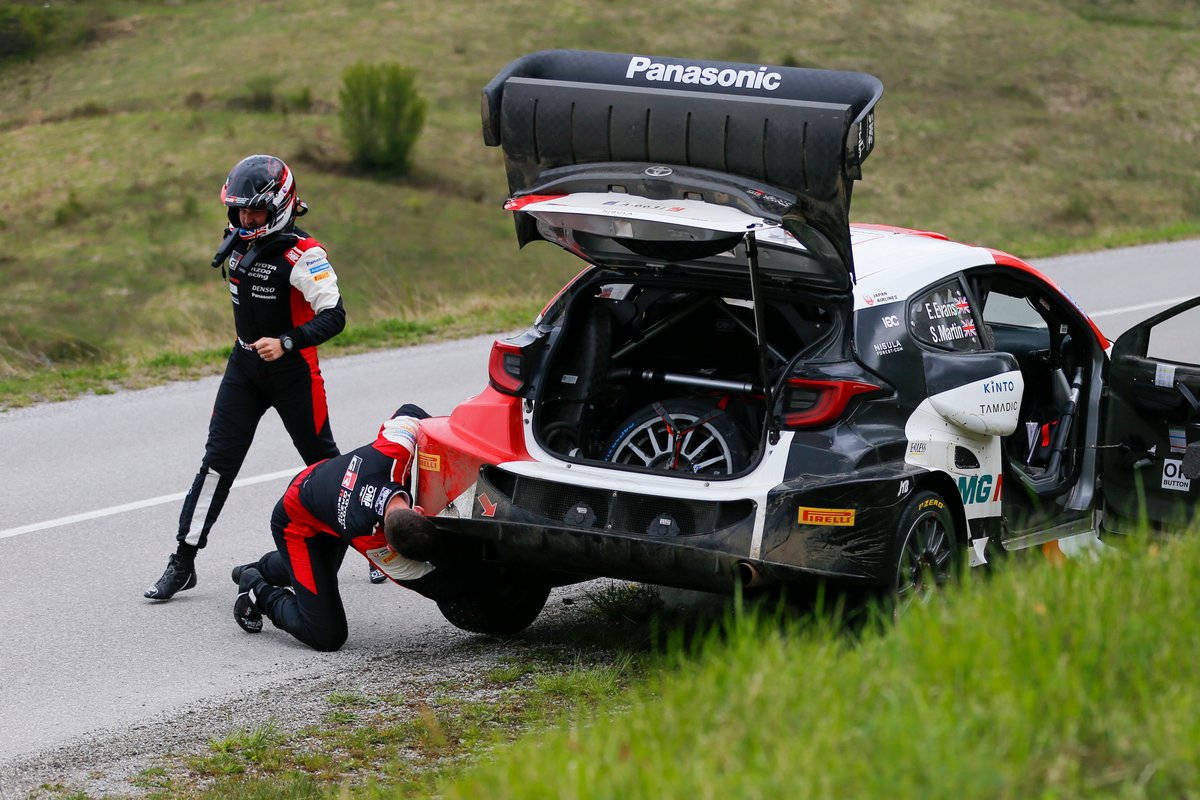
(506, 368)
(816, 403)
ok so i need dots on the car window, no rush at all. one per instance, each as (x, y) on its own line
(1174, 339)
(1004, 309)
(943, 317)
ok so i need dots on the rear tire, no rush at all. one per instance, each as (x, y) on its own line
(927, 550)
(502, 607)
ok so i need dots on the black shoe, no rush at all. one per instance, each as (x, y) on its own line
(377, 575)
(245, 607)
(240, 568)
(177, 577)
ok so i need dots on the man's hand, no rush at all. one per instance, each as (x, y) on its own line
(268, 349)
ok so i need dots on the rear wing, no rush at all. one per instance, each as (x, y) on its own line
(806, 132)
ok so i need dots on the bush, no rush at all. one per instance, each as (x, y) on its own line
(382, 116)
(258, 95)
(22, 32)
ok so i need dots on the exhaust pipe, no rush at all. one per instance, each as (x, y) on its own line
(749, 575)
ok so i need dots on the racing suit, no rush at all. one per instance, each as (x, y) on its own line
(281, 286)
(330, 507)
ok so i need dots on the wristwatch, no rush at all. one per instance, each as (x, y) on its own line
(288, 344)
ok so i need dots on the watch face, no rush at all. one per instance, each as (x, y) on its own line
(286, 341)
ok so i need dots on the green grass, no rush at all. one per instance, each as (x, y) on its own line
(1035, 126)
(1067, 681)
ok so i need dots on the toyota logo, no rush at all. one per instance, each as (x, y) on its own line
(658, 172)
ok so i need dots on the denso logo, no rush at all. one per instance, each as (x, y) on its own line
(704, 76)
(998, 387)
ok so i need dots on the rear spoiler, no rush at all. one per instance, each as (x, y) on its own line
(805, 131)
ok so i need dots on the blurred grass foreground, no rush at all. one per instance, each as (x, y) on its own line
(1068, 680)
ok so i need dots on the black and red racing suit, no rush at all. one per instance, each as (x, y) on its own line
(283, 285)
(330, 507)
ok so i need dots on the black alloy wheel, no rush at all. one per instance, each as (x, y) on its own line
(927, 553)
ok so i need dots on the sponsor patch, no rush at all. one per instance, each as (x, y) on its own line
(322, 276)
(396, 566)
(367, 496)
(402, 431)
(429, 462)
(351, 476)
(315, 268)
(293, 255)
(1178, 439)
(381, 502)
(1173, 477)
(838, 517)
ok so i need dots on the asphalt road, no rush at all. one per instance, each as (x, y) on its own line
(90, 502)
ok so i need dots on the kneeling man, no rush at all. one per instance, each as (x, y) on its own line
(359, 499)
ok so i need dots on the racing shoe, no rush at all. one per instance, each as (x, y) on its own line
(377, 575)
(177, 577)
(245, 607)
(240, 568)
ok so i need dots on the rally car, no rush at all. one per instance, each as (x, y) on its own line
(741, 387)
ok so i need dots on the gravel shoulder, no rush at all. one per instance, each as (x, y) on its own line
(454, 665)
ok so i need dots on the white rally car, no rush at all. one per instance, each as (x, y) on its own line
(741, 386)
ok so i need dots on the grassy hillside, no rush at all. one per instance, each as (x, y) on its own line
(1034, 126)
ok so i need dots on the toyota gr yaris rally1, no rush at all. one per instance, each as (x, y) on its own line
(742, 386)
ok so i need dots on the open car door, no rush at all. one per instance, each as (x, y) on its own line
(1151, 462)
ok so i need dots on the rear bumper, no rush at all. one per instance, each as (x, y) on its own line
(673, 542)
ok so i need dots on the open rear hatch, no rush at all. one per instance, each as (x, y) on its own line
(781, 143)
(715, 197)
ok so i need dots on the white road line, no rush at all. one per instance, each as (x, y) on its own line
(1139, 307)
(153, 501)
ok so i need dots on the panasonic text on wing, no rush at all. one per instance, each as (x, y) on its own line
(703, 76)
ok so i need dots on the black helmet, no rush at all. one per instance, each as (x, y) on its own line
(262, 181)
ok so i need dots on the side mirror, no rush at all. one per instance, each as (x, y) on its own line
(1191, 461)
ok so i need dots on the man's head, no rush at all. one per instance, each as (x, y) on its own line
(260, 194)
(408, 532)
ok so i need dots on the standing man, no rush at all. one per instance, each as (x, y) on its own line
(285, 303)
(360, 500)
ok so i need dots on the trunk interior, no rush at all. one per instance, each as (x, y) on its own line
(650, 373)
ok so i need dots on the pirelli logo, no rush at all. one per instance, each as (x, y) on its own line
(429, 462)
(841, 517)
